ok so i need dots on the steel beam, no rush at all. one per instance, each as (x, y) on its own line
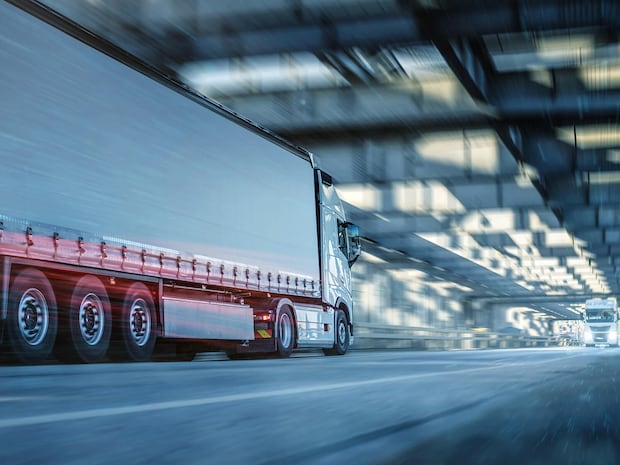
(473, 18)
(302, 26)
(389, 109)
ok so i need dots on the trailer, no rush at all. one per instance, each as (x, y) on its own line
(134, 210)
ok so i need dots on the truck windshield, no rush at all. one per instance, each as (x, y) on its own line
(595, 315)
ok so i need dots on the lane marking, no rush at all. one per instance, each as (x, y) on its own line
(156, 406)
(20, 398)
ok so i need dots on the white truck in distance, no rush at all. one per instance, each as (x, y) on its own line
(135, 210)
(600, 322)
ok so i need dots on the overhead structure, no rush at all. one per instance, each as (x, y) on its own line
(477, 140)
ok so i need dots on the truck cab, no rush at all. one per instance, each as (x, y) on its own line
(340, 246)
(601, 323)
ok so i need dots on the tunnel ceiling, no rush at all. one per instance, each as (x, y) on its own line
(477, 141)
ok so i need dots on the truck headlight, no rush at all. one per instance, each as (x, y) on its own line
(612, 336)
(587, 336)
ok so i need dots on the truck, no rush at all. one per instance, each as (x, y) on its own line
(136, 211)
(600, 322)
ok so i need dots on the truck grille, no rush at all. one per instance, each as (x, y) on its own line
(600, 333)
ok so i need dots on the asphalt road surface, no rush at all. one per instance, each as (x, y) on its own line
(529, 406)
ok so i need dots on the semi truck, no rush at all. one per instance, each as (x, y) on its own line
(136, 211)
(600, 322)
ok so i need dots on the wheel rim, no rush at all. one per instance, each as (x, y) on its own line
(92, 319)
(33, 316)
(342, 333)
(140, 321)
(285, 330)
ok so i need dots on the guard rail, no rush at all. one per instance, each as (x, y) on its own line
(380, 336)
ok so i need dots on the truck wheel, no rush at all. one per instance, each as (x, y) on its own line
(90, 322)
(136, 326)
(342, 336)
(32, 319)
(285, 333)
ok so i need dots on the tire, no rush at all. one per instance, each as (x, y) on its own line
(285, 333)
(342, 337)
(136, 327)
(89, 321)
(32, 318)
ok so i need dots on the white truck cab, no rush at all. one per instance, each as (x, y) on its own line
(601, 322)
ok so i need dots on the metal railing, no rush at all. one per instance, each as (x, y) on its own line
(379, 336)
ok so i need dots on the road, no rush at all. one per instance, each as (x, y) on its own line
(528, 406)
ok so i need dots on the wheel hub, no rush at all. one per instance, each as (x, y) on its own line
(91, 319)
(285, 330)
(33, 316)
(30, 316)
(140, 322)
(342, 332)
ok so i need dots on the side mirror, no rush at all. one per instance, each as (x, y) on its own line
(355, 243)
